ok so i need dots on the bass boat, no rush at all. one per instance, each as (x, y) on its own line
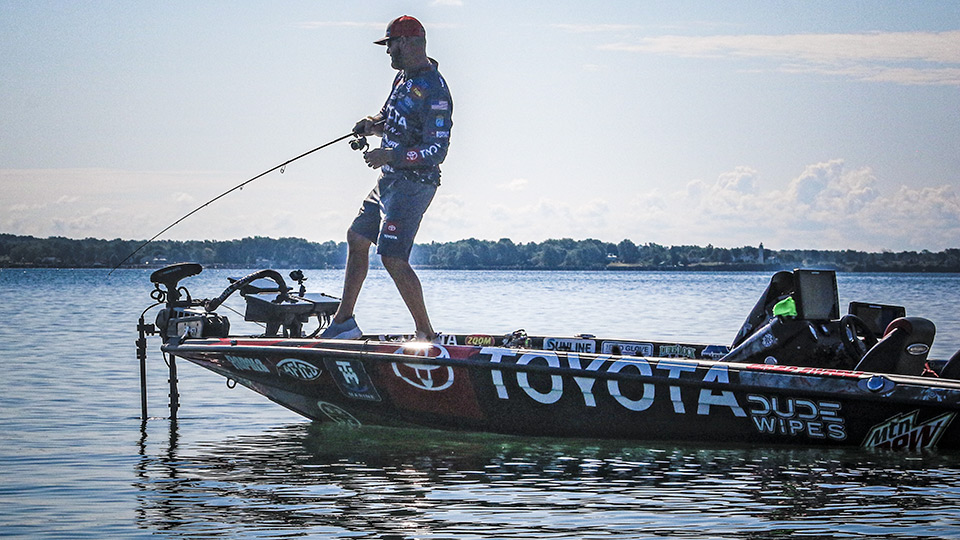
(797, 373)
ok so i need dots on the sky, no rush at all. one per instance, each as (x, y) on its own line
(801, 125)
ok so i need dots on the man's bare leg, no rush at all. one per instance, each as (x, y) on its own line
(412, 293)
(358, 260)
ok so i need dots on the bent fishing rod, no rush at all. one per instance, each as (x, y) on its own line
(359, 143)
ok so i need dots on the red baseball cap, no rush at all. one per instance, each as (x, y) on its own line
(403, 26)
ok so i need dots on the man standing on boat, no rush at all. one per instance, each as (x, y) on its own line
(415, 126)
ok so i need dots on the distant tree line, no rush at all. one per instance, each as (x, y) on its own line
(562, 254)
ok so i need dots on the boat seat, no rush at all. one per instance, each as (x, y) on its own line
(903, 349)
(952, 368)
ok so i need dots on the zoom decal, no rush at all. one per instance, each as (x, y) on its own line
(478, 340)
(644, 394)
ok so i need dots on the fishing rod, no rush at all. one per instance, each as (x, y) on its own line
(359, 143)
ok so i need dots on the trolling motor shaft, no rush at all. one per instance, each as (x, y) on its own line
(143, 330)
(167, 291)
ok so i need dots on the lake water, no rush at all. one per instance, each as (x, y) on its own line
(76, 463)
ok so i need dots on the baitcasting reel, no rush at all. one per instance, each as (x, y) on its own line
(360, 143)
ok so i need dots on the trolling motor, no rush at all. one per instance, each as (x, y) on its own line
(167, 290)
(169, 277)
(183, 318)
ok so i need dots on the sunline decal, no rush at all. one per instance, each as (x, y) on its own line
(569, 344)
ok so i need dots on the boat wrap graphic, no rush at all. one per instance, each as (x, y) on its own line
(558, 392)
(906, 432)
(352, 379)
(298, 369)
(426, 387)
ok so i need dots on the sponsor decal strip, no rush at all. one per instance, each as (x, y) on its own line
(799, 370)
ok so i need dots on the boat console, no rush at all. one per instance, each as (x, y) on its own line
(797, 322)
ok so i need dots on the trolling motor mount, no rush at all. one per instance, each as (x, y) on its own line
(271, 302)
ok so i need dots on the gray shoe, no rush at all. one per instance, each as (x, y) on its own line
(348, 329)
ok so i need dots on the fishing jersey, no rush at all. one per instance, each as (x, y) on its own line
(419, 115)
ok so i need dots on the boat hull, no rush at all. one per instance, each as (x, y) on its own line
(470, 384)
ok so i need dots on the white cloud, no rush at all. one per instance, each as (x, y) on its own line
(741, 180)
(914, 58)
(827, 206)
(517, 184)
(76, 225)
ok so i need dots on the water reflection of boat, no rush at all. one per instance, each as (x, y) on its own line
(797, 373)
(323, 480)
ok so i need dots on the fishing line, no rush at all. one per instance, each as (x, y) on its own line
(354, 144)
